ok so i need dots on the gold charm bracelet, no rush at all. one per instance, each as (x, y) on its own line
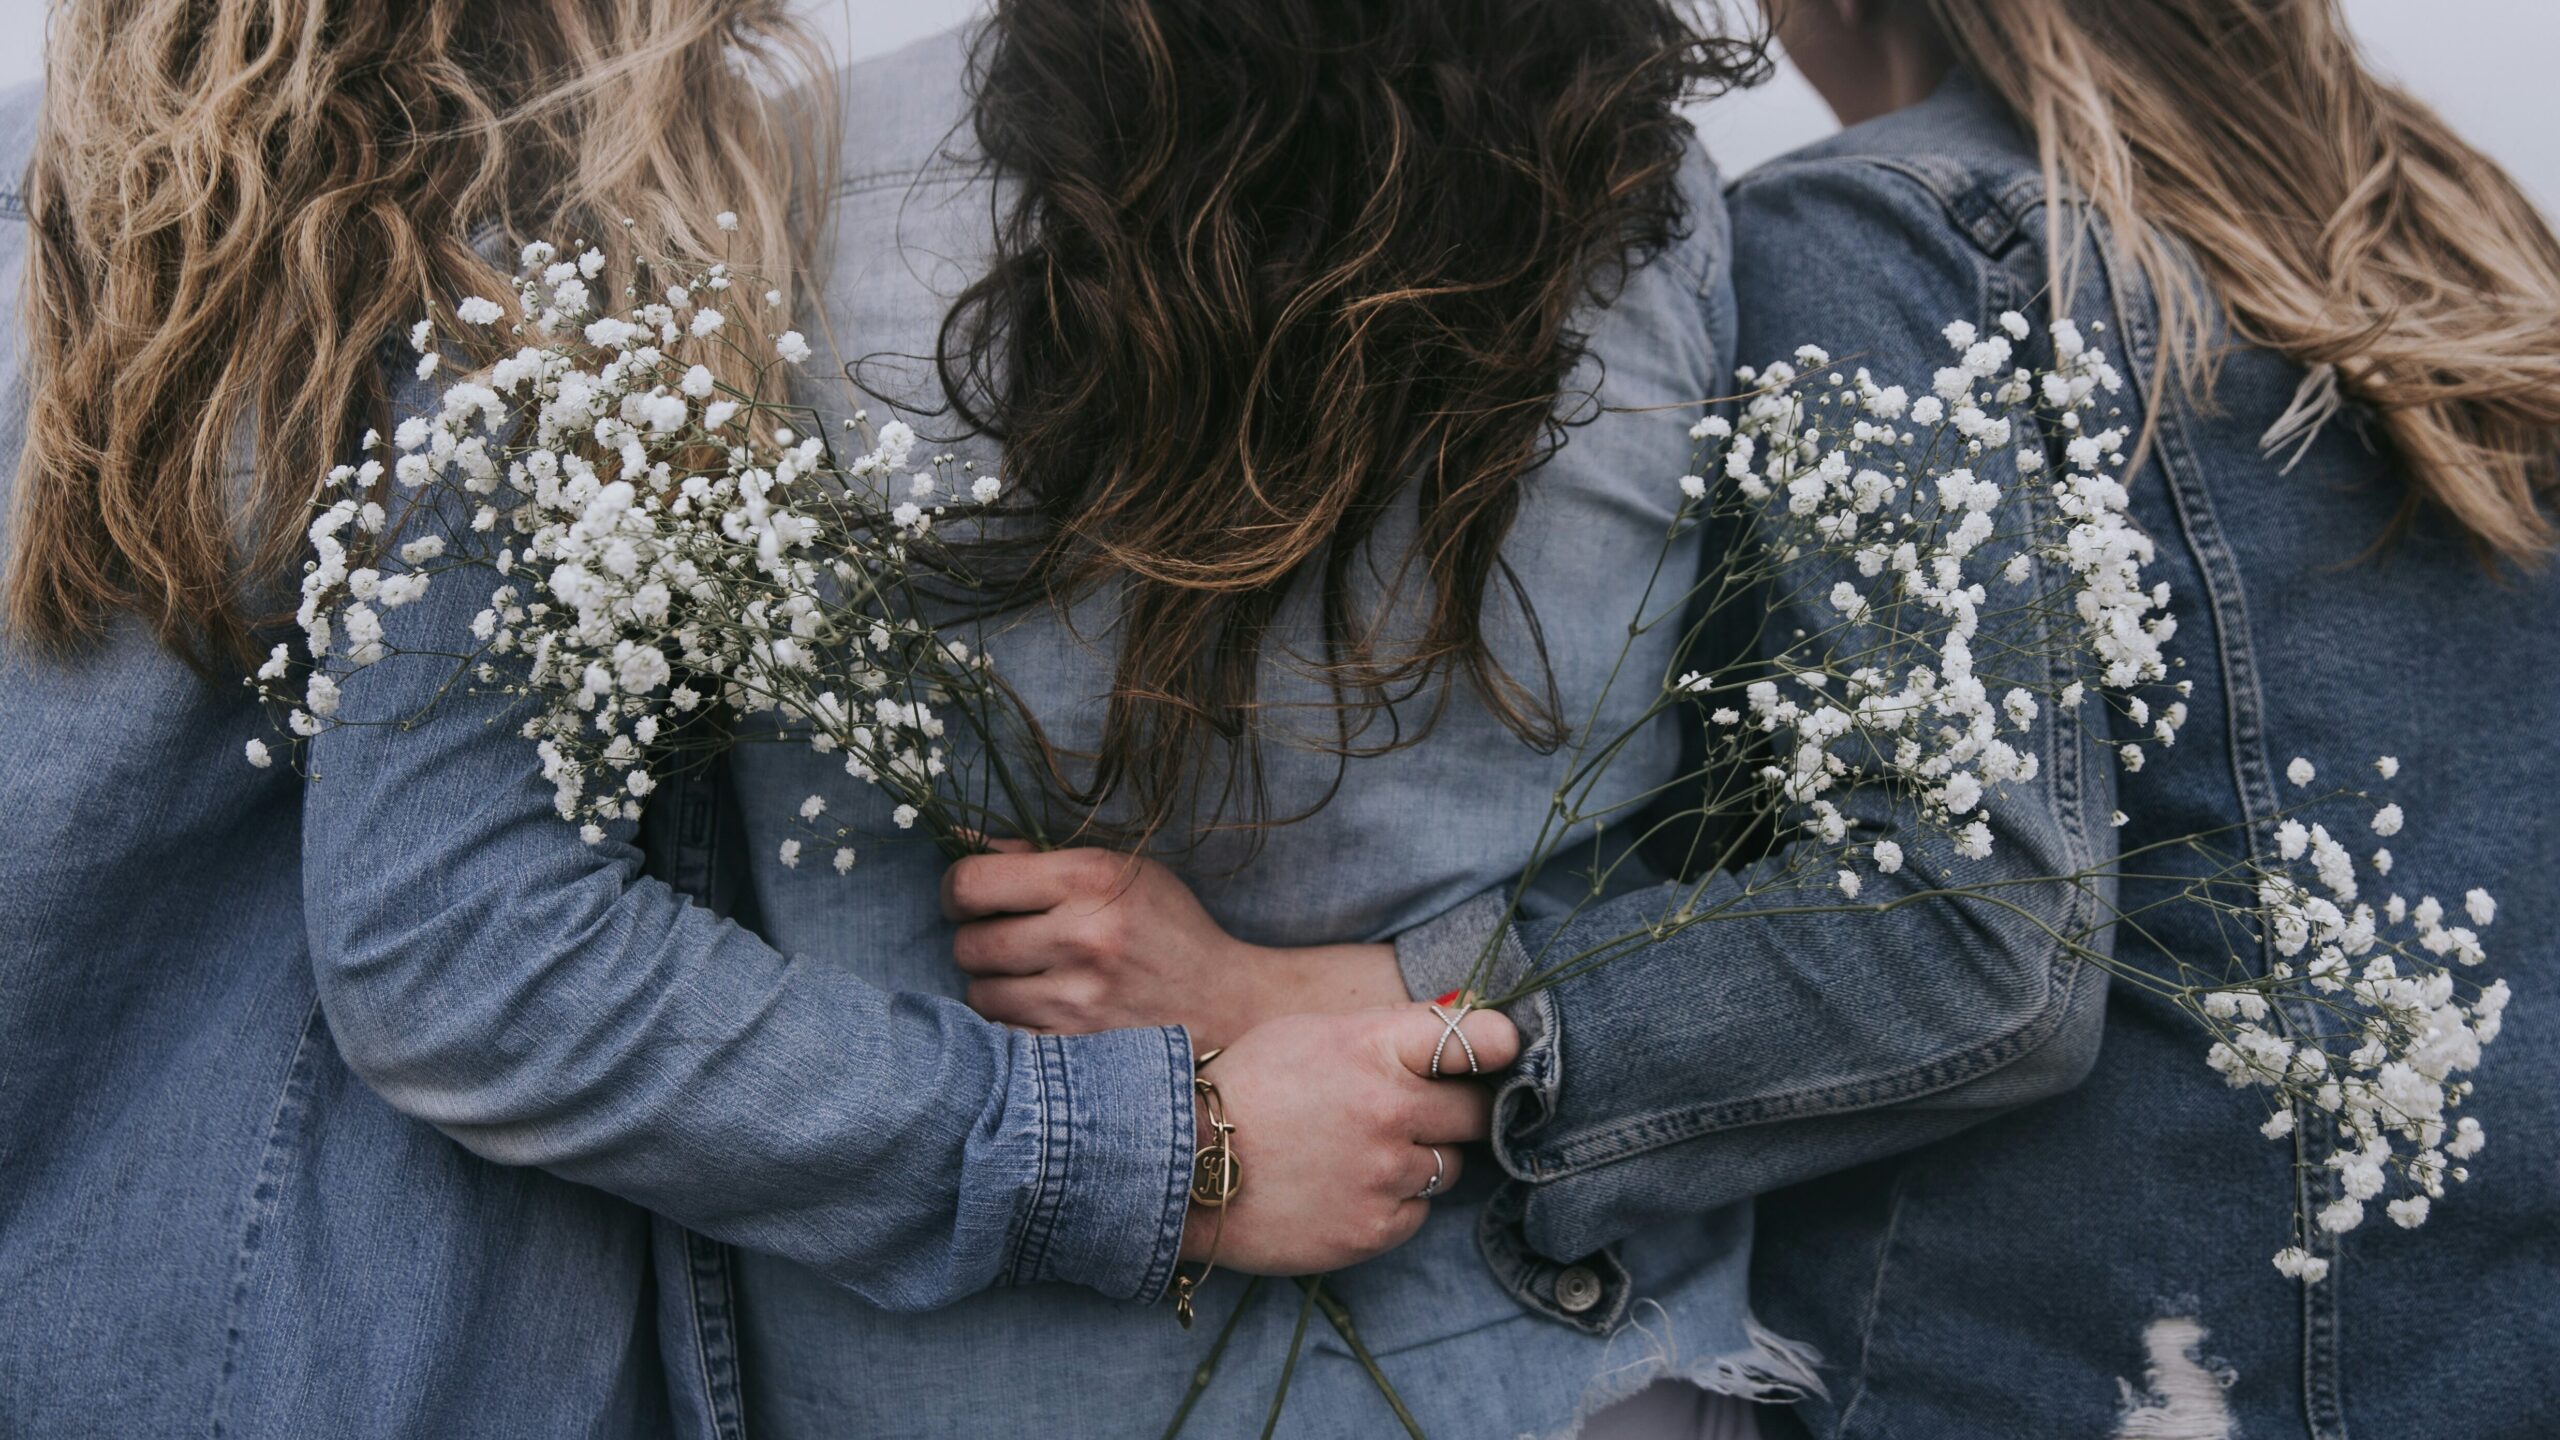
(1216, 1178)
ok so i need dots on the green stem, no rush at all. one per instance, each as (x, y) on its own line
(1340, 1316)
(1209, 1364)
(1289, 1363)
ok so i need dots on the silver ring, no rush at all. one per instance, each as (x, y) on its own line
(1439, 1172)
(1449, 1031)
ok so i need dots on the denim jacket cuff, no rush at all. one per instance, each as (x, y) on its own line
(1437, 955)
(1525, 1096)
(1115, 1162)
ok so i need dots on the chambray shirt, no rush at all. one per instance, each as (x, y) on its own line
(1069, 1342)
(1970, 1263)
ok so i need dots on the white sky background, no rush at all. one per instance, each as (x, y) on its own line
(2484, 64)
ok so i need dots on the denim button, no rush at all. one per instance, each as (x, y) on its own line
(1577, 1289)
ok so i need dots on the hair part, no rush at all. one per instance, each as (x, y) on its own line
(1270, 271)
(235, 203)
(2244, 157)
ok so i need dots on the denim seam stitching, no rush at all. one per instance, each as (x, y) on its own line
(939, 173)
(265, 1198)
(1875, 1297)
(1168, 1249)
(1946, 186)
(1031, 1245)
(705, 1257)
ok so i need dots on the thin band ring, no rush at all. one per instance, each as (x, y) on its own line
(1439, 1172)
(1449, 1031)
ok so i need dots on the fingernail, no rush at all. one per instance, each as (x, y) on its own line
(1449, 999)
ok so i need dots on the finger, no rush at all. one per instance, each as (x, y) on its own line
(1418, 1033)
(1449, 1112)
(1421, 1170)
(1014, 883)
(1031, 1003)
(1009, 945)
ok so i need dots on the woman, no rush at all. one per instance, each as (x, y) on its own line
(2342, 326)
(1273, 319)
(1270, 313)
(215, 214)
(238, 1056)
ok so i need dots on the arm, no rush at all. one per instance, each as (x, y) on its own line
(543, 1004)
(1740, 1055)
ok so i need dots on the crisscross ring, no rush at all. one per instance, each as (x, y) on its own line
(1449, 1031)
(1439, 1172)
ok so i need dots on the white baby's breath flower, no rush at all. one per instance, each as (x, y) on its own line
(257, 753)
(789, 854)
(726, 219)
(2480, 906)
(2300, 1264)
(2300, 771)
(791, 346)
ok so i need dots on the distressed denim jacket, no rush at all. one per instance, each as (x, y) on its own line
(2096, 1263)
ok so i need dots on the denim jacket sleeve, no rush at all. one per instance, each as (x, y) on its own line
(541, 1002)
(1742, 1055)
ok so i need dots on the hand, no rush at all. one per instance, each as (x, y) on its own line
(1334, 1117)
(1072, 941)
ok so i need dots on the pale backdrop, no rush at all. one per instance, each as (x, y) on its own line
(2484, 63)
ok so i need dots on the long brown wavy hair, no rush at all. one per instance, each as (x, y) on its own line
(234, 202)
(1269, 270)
(2331, 217)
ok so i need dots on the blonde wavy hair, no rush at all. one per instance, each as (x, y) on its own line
(2331, 217)
(235, 202)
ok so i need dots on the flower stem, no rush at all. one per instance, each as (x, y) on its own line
(1289, 1362)
(1340, 1316)
(1209, 1364)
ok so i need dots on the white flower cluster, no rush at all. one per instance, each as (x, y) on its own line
(1962, 569)
(653, 542)
(2378, 1033)
(1880, 505)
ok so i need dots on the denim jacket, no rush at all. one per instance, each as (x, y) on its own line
(209, 1226)
(2096, 1263)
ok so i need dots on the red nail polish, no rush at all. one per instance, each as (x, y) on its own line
(1449, 999)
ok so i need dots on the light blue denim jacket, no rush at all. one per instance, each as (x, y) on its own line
(209, 1226)
(1410, 834)
(1981, 1267)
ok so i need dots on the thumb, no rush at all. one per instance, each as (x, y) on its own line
(1417, 1031)
(991, 845)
